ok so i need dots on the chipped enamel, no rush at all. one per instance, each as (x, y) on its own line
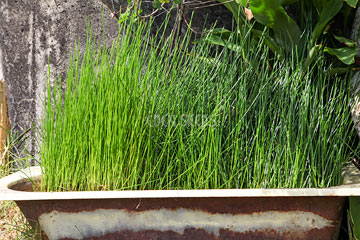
(86, 224)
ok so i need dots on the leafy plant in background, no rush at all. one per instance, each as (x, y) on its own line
(286, 33)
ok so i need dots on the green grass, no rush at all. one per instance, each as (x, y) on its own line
(134, 116)
(13, 224)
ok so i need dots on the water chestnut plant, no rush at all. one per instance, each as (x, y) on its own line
(136, 116)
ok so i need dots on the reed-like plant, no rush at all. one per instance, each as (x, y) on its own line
(148, 115)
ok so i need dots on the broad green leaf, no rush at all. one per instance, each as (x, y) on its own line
(270, 42)
(221, 37)
(354, 210)
(346, 41)
(345, 54)
(156, 4)
(177, 1)
(242, 2)
(273, 15)
(224, 33)
(327, 12)
(352, 3)
(264, 11)
(340, 70)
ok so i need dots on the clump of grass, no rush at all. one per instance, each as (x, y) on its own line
(135, 116)
(13, 224)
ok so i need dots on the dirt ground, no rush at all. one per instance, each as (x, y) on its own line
(13, 225)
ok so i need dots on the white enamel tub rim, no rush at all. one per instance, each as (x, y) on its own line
(35, 173)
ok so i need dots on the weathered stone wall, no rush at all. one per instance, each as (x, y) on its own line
(38, 34)
(355, 81)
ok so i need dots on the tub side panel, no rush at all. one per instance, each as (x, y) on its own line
(188, 218)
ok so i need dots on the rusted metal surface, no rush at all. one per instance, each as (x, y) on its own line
(188, 218)
(194, 214)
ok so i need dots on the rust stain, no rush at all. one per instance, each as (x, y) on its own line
(328, 209)
(103, 221)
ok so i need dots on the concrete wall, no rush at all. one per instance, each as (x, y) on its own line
(355, 81)
(37, 34)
